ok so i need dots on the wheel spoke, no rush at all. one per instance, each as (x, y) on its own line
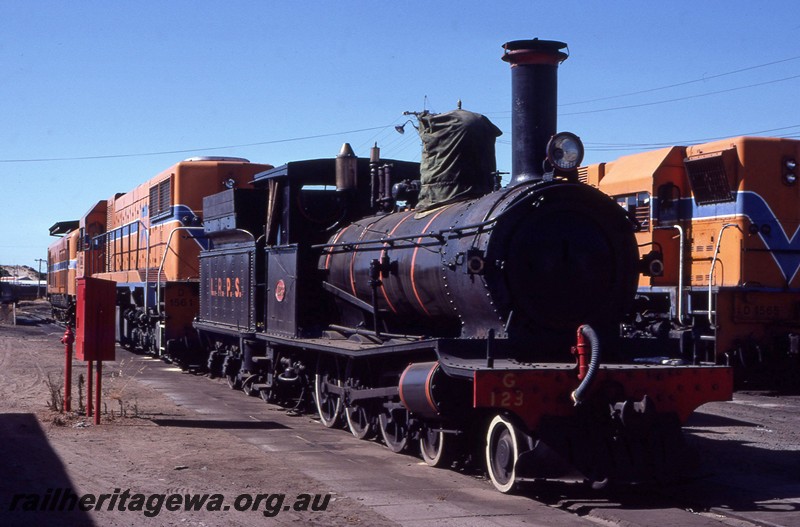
(360, 414)
(360, 421)
(329, 405)
(394, 430)
(437, 448)
(233, 381)
(247, 385)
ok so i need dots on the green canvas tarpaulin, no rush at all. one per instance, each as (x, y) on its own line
(458, 159)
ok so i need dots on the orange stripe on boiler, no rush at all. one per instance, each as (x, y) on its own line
(353, 259)
(383, 253)
(335, 239)
(414, 262)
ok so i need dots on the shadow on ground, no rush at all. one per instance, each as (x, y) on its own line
(34, 483)
(735, 478)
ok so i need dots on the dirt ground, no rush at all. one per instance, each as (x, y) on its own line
(46, 453)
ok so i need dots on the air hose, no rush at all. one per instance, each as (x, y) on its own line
(589, 333)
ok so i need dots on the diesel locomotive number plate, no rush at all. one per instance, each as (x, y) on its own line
(758, 308)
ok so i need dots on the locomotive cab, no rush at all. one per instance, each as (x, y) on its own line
(302, 209)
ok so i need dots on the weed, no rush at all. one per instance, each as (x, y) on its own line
(115, 388)
(81, 382)
(56, 401)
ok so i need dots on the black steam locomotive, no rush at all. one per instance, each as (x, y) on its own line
(424, 303)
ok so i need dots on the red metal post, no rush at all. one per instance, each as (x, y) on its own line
(98, 390)
(89, 381)
(67, 340)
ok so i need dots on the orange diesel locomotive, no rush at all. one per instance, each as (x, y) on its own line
(719, 238)
(62, 260)
(148, 241)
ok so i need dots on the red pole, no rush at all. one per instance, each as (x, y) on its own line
(67, 341)
(89, 390)
(98, 390)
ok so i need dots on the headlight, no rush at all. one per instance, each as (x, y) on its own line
(789, 176)
(565, 151)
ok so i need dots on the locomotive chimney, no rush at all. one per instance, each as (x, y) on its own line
(534, 93)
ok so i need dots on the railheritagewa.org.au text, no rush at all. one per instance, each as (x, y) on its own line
(151, 505)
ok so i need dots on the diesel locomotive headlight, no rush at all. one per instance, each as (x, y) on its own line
(565, 151)
(789, 175)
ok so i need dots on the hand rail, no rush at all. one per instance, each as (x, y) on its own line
(713, 264)
(680, 267)
(163, 260)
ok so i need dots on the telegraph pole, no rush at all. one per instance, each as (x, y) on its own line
(39, 279)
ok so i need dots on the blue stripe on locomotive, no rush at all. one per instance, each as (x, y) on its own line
(784, 249)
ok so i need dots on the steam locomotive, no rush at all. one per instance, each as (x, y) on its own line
(425, 304)
(440, 309)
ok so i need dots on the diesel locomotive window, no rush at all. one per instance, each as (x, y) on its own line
(708, 179)
(160, 199)
(638, 206)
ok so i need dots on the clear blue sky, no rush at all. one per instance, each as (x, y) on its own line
(88, 79)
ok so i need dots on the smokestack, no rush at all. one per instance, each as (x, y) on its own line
(534, 93)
